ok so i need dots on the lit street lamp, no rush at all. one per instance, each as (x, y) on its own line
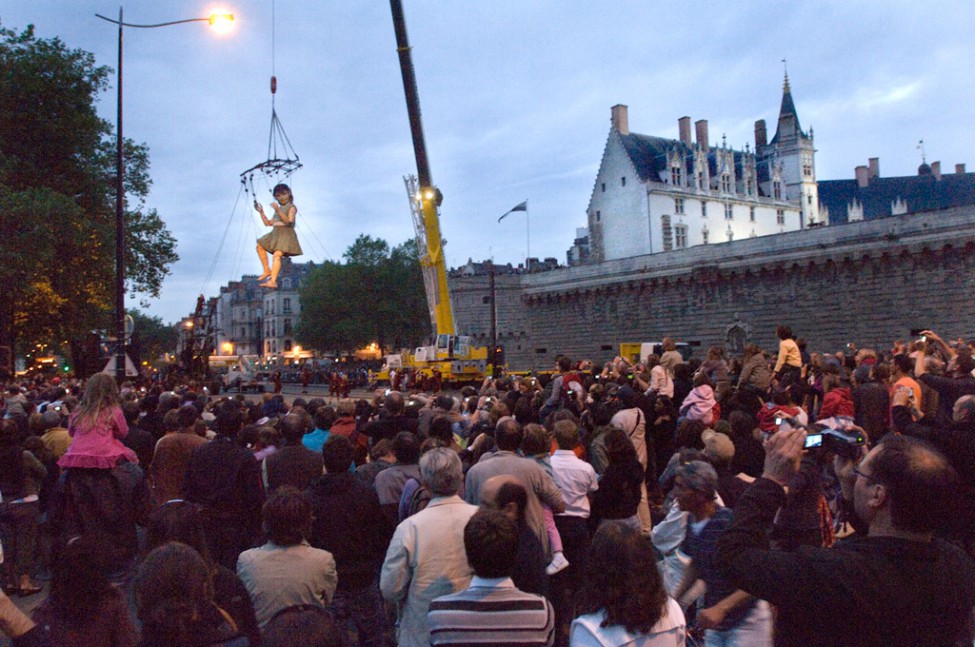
(221, 22)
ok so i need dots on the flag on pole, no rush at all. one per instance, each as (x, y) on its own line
(521, 207)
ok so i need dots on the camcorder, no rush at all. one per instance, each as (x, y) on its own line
(845, 444)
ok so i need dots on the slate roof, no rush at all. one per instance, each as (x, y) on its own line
(919, 192)
(649, 156)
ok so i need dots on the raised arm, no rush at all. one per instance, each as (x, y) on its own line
(260, 210)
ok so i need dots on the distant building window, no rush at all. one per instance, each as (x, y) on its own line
(287, 326)
(598, 216)
(243, 333)
(286, 307)
(680, 236)
(726, 183)
(679, 205)
(667, 233)
(675, 175)
(623, 180)
(704, 209)
(729, 212)
(777, 190)
(287, 344)
(751, 214)
(700, 179)
(809, 200)
(704, 236)
(604, 187)
(780, 216)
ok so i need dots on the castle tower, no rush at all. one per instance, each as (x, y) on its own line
(792, 152)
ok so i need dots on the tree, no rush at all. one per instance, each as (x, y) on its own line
(151, 338)
(57, 178)
(376, 296)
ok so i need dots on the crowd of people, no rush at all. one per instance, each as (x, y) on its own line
(782, 497)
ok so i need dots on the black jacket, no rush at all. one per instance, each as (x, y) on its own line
(349, 524)
(863, 591)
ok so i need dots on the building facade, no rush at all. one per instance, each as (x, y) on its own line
(654, 194)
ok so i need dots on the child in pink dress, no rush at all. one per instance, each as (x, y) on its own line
(97, 428)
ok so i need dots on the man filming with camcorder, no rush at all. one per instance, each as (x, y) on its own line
(897, 584)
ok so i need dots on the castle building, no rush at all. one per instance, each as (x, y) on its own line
(869, 195)
(654, 194)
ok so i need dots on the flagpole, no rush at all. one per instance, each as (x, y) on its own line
(528, 237)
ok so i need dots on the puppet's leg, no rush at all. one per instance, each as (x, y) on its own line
(262, 254)
(275, 269)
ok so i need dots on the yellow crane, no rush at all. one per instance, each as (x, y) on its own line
(453, 356)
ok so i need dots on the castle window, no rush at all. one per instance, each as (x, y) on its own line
(726, 183)
(679, 205)
(751, 214)
(623, 180)
(700, 179)
(704, 209)
(598, 216)
(604, 187)
(780, 216)
(286, 307)
(667, 232)
(777, 190)
(807, 170)
(680, 236)
(675, 175)
(704, 235)
(729, 212)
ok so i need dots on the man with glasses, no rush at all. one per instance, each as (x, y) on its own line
(897, 584)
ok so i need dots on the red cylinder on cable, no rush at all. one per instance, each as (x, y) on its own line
(274, 85)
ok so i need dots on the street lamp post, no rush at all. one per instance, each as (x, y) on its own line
(219, 21)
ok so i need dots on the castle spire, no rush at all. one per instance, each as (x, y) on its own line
(788, 126)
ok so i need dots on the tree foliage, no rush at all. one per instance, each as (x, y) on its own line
(375, 296)
(57, 197)
(151, 337)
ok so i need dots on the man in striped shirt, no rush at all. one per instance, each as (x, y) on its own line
(491, 611)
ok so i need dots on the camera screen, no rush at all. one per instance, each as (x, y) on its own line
(813, 440)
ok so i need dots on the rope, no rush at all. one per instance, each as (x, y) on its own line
(216, 256)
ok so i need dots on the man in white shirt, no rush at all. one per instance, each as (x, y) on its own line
(577, 480)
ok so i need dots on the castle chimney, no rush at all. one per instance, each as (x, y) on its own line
(620, 119)
(936, 170)
(701, 128)
(874, 172)
(761, 138)
(960, 169)
(684, 128)
(862, 178)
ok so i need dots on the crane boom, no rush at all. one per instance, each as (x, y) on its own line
(429, 197)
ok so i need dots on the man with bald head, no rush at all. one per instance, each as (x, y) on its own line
(506, 493)
(292, 464)
(539, 485)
